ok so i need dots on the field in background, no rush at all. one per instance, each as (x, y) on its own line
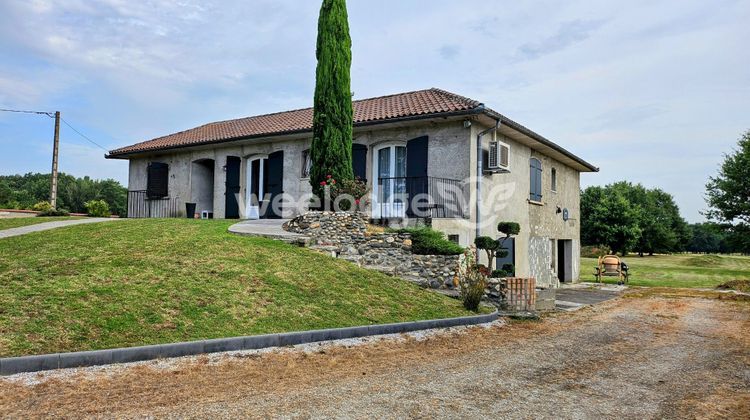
(150, 281)
(681, 270)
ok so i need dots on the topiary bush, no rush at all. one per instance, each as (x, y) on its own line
(425, 241)
(509, 228)
(97, 208)
(489, 246)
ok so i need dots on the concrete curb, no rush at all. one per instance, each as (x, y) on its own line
(13, 365)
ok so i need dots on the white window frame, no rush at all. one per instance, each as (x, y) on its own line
(392, 208)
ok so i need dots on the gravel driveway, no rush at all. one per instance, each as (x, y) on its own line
(647, 355)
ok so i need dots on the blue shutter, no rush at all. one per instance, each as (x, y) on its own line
(535, 180)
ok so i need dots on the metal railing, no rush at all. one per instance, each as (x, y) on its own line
(419, 197)
(140, 206)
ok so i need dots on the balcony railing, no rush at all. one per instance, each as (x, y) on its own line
(140, 206)
(419, 197)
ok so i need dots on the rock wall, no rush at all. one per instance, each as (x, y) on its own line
(346, 235)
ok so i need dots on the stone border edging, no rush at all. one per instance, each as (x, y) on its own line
(13, 365)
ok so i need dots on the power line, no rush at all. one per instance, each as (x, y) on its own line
(49, 114)
(83, 135)
(52, 115)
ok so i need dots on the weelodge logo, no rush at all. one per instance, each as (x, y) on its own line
(400, 199)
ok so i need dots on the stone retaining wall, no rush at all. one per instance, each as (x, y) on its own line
(345, 235)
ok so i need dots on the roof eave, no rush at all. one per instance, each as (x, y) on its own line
(541, 139)
(128, 155)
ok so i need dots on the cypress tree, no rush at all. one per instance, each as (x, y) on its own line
(331, 151)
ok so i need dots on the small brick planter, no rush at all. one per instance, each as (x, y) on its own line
(512, 293)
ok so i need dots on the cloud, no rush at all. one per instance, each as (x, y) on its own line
(569, 33)
(449, 52)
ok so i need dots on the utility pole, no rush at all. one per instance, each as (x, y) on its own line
(53, 188)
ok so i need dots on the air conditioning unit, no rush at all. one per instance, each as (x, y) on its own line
(499, 156)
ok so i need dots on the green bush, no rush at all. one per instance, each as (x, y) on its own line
(97, 208)
(54, 213)
(509, 228)
(505, 271)
(42, 206)
(425, 241)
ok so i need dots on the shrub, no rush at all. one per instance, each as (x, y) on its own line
(42, 206)
(53, 213)
(507, 270)
(472, 280)
(425, 241)
(97, 208)
(509, 228)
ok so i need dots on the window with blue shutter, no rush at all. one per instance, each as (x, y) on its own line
(535, 180)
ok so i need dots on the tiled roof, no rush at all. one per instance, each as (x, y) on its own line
(381, 109)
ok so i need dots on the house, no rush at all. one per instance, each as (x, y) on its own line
(427, 144)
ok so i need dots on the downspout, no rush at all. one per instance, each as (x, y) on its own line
(480, 168)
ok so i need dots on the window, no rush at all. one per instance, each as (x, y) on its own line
(157, 181)
(453, 238)
(306, 164)
(554, 179)
(535, 178)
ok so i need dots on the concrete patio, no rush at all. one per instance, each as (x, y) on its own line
(267, 228)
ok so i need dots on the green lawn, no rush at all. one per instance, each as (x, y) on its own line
(154, 281)
(678, 270)
(14, 222)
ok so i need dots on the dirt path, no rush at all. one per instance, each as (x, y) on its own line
(660, 356)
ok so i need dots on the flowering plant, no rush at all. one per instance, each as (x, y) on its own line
(346, 194)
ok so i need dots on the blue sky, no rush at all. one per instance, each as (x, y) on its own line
(651, 91)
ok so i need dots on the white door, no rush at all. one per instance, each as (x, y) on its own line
(389, 195)
(254, 187)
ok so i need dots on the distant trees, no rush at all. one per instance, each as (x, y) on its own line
(23, 191)
(728, 195)
(629, 217)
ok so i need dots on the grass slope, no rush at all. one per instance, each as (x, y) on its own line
(14, 222)
(153, 281)
(678, 270)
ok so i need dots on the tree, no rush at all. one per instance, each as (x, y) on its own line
(609, 219)
(23, 191)
(728, 194)
(708, 238)
(331, 150)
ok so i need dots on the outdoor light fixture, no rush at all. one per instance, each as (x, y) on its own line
(224, 168)
(467, 123)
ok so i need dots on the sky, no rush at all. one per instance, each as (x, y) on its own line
(650, 91)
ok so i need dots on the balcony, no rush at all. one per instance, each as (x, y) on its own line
(141, 206)
(419, 197)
